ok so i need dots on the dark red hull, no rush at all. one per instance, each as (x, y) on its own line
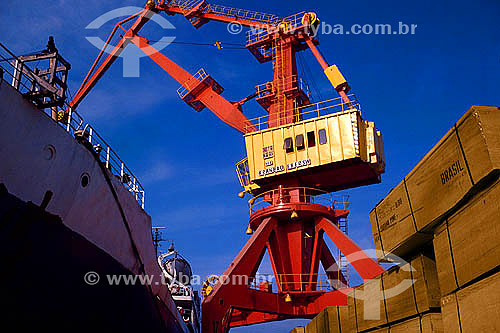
(42, 279)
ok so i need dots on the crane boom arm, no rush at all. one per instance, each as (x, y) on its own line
(201, 89)
(93, 77)
(197, 92)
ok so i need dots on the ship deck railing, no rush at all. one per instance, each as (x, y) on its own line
(310, 111)
(74, 124)
(78, 127)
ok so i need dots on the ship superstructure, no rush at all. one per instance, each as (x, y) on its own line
(178, 275)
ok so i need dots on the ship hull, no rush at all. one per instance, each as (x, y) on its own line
(43, 269)
(43, 164)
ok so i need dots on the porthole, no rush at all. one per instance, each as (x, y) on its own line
(49, 152)
(85, 180)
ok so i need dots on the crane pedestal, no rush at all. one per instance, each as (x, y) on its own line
(291, 230)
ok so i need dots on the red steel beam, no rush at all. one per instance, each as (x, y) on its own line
(362, 263)
(232, 304)
(331, 267)
(226, 111)
(142, 18)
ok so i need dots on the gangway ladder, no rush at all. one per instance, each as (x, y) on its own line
(343, 262)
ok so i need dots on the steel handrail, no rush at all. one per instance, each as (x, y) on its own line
(306, 195)
(285, 282)
(322, 108)
(107, 155)
(289, 23)
(14, 57)
(75, 123)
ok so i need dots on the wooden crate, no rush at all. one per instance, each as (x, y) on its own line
(427, 323)
(421, 297)
(441, 182)
(393, 225)
(333, 319)
(382, 330)
(475, 308)
(467, 244)
(335, 316)
(347, 318)
(298, 329)
(480, 138)
(318, 324)
(369, 301)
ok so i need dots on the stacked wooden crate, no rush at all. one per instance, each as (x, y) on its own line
(449, 175)
(445, 213)
(404, 296)
(467, 247)
(336, 319)
(452, 197)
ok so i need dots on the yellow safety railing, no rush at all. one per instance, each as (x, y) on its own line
(227, 11)
(308, 282)
(285, 195)
(291, 81)
(288, 24)
(323, 108)
(191, 83)
(243, 172)
(294, 283)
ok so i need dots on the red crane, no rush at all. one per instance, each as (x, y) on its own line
(291, 225)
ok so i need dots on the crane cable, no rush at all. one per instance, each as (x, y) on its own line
(311, 78)
(219, 45)
(303, 65)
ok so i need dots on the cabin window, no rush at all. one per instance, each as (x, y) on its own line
(322, 136)
(299, 142)
(311, 139)
(288, 145)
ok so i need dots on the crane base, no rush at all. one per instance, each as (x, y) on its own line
(295, 248)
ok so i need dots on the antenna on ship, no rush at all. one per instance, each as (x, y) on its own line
(157, 238)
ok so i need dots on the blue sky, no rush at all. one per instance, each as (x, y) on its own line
(413, 86)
